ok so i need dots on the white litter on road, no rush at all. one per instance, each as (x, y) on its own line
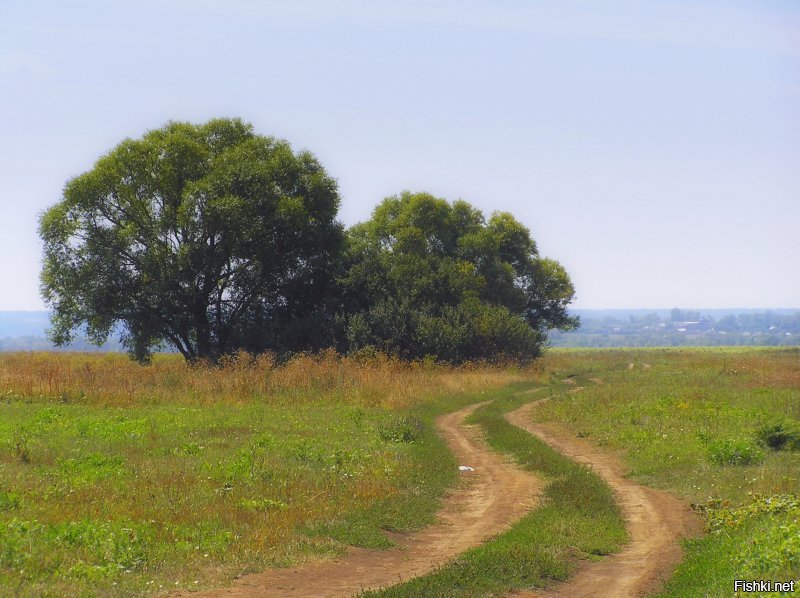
(465, 468)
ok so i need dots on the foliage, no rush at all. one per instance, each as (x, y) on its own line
(779, 436)
(773, 548)
(426, 277)
(720, 515)
(207, 237)
(400, 429)
(734, 452)
(212, 239)
(759, 539)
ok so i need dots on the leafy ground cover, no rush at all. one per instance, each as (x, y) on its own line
(116, 480)
(715, 426)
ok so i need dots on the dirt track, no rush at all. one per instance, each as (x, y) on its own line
(493, 497)
(656, 522)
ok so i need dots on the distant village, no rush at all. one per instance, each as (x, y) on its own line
(637, 328)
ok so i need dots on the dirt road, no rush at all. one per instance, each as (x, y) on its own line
(492, 497)
(656, 522)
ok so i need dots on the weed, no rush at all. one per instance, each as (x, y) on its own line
(400, 429)
(734, 452)
(721, 516)
(112, 379)
(21, 450)
(9, 501)
(779, 436)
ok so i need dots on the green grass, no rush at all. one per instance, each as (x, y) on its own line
(427, 472)
(103, 500)
(130, 497)
(577, 518)
(692, 421)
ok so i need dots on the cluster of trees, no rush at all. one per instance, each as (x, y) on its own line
(683, 328)
(213, 239)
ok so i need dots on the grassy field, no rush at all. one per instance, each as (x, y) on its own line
(694, 422)
(121, 479)
(117, 479)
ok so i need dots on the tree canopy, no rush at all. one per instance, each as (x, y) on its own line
(209, 238)
(212, 239)
(426, 277)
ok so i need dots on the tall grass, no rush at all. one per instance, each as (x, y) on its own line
(114, 380)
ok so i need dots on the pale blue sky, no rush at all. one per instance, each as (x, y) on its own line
(651, 147)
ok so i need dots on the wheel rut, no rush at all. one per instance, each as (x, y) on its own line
(656, 522)
(490, 499)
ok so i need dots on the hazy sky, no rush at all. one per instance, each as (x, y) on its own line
(651, 147)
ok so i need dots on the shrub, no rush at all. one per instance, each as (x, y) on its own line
(734, 452)
(400, 429)
(779, 436)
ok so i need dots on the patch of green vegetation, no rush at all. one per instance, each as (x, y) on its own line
(712, 425)
(149, 497)
(416, 497)
(759, 540)
(734, 452)
(780, 436)
(9, 500)
(577, 517)
(125, 500)
(400, 429)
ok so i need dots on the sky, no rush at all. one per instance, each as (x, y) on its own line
(653, 148)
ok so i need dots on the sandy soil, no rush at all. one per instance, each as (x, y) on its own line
(493, 496)
(656, 521)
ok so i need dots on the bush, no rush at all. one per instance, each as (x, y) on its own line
(734, 452)
(779, 436)
(427, 277)
(400, 429)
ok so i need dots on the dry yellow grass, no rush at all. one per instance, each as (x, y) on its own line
(112, 379)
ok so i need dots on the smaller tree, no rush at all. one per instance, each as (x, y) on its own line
(425, 277)
(207, 237)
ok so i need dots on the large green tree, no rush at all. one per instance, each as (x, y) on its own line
(426, 277)
(209, 238)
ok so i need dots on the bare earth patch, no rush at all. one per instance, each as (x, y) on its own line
(656, 522)
(493, 496)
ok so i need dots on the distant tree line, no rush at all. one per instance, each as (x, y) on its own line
(214, 239)
(30, 342)
(684, 328)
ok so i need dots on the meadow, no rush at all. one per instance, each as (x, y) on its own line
(117, 478)
(699, 423)
(126, 480)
